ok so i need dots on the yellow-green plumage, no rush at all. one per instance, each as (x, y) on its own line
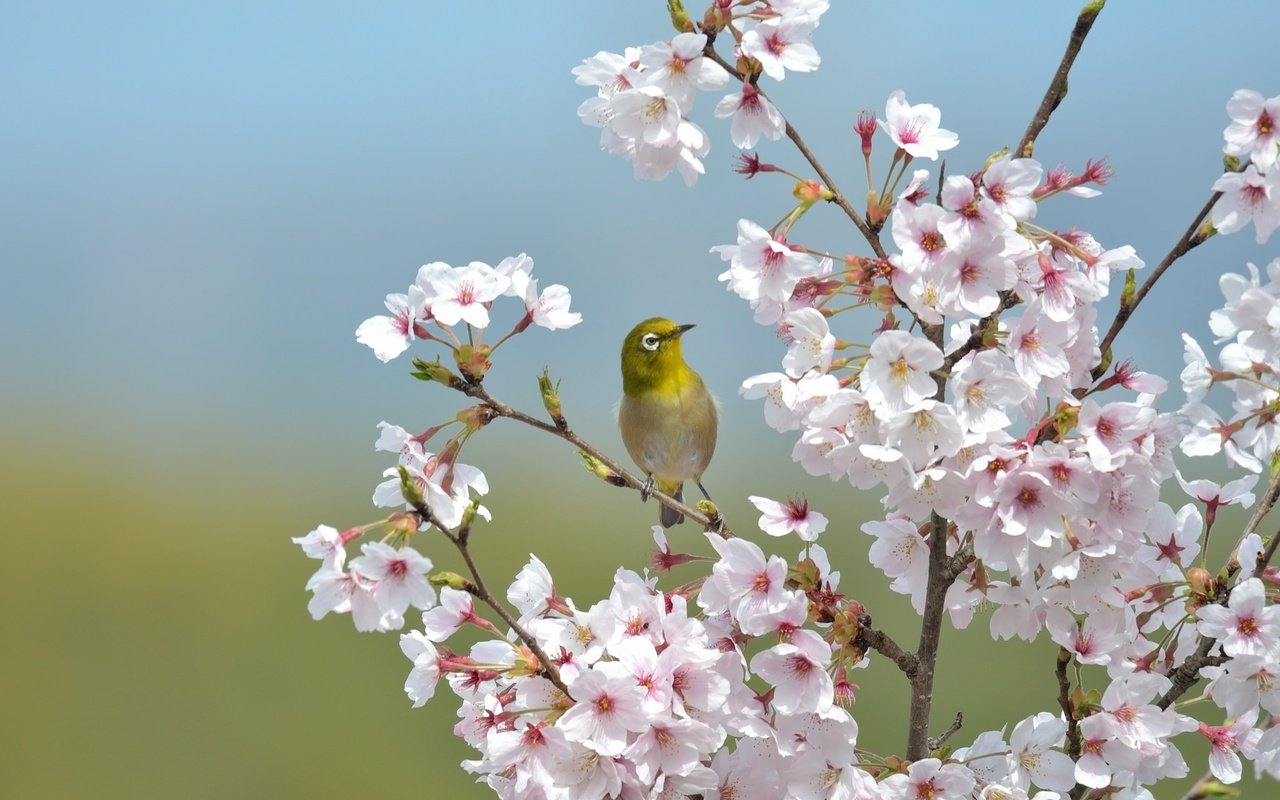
(667, 416)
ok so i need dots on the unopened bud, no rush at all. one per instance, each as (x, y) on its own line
(551, 398)
(709, 508)
(469, 516)
(451, 579)
(1201, 581)
(679, 17)
(810, 192)
(409, 488)
(1231, 163)
(601, 470)
(436, 372)
(1130, 289)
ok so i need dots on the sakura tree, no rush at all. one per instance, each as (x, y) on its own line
(1019, 462)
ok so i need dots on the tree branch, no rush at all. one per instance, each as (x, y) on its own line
(930, 634)
(1264, 507)
(941, 739)
(874, 639)
(479, 590)
(1190, 239)
(1057, 90)
(839, 199)
(624, 478)
(1064, 701)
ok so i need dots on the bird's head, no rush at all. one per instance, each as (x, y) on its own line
(651, 355)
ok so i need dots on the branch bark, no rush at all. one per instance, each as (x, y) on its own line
(1190, 240)
(839, 199)
(879, 641)
(930, 635)
(460, 540)
(1057, 90)
(625, 478)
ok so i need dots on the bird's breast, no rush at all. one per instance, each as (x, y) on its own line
(670, 434)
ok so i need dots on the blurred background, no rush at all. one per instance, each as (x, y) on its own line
(200, 202)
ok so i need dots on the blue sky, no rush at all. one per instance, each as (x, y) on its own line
(201, 201)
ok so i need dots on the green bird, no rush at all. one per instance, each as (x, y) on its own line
(667, 416)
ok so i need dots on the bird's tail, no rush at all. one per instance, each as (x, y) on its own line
(669, 516)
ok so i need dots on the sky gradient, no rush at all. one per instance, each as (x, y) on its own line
(201, 201)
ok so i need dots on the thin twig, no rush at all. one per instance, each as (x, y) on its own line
(1207, 787)
(1064, 701)
(1188, 672)
(565, 432)
(985, 327)
(941, 739)
(1190, 239)
(838, 197)
(1267, 555)
(1264, 507)
(877, 640)
(479, 590)
(1058, 86)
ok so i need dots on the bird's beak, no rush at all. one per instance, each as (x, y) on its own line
(680, 329)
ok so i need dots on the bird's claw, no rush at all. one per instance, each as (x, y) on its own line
(646, 491)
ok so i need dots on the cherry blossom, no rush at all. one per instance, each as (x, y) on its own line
(915, 128)
(794, 516)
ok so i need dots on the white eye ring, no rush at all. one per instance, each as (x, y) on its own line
(650, 341)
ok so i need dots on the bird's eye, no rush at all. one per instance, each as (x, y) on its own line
(650, 341)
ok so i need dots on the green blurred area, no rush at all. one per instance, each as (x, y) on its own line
(159, 643)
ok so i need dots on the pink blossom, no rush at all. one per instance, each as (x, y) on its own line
(915, 128)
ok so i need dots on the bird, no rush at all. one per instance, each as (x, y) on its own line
(667, 416)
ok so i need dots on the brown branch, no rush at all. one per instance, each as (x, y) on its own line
(625, 478)
(1265, 558)
(1068, 708)
(985, 327)
(1057, 90)
(1264, 507)
(930, 634)
(1188, 672)
(941, 739)
(1207, 787)
(874, 639)
(839, 199)
(1192, 238)
(459, 539)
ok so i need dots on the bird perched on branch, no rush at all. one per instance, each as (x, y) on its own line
(667, 416)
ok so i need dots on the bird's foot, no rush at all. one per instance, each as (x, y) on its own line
(646, 491)
(703, 489)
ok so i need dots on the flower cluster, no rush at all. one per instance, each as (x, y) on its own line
(644, 96)
(1061, 523)
(428, 488)
(657, 691)
(443, 296)
(1251, 194)
(1021, 473)
(1249, 323)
